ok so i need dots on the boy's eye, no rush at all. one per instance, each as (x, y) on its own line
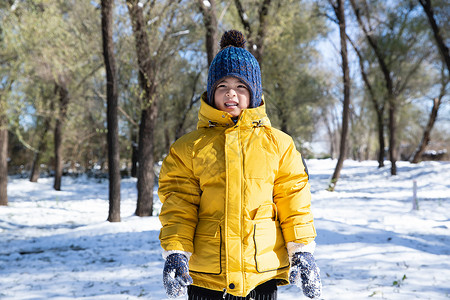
(242, 86)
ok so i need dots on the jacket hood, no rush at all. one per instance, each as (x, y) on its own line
(209, 116)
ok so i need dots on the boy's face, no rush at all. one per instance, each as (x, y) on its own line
(232, 96)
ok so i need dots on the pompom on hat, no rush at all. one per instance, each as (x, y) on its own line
(234, 60)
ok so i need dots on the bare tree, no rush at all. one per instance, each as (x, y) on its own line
(63, 95)
(152, 57)
(134, 152)
(148, 68)
(445, 55)
(437, 101)
(6, 81)
(42, 147)
(378, 105)
(340, 15)
(391, 97)
(395, 82)
(149, 111)
(112, 104)
(3, 155)
(5, 88)
(330, 121)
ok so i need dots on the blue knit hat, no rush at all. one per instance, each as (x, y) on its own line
(234, 60)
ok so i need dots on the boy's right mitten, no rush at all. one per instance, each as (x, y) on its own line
(176, 275)
(305, 274)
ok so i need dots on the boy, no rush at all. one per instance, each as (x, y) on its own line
(236, 218)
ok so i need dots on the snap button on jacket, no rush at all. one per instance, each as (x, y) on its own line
(233, 195)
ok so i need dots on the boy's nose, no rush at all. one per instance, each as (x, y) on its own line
(230, 92)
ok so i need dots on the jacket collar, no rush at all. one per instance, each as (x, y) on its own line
(209, 116)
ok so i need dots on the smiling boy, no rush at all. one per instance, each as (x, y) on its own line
(232, 96)
(236, 216)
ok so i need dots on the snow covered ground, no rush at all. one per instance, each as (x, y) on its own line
(371, 244)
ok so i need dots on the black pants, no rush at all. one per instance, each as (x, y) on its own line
(265, 291)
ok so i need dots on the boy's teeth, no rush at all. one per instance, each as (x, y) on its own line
(230, 104)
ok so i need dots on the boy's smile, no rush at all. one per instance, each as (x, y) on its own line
(231, 95)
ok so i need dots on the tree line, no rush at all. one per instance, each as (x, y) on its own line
(105, 87)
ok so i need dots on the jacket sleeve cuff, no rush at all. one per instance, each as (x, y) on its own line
(300, 233)
(294, 247)
(167, 253)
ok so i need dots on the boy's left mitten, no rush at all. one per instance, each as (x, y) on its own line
(176, 275)
(305, 274)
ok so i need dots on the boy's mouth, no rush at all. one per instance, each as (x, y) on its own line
(230, 104)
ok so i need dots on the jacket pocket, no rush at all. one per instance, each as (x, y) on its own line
(266, 211)
(270, 247)
(207, 248)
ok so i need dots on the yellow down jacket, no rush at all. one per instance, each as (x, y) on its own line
(233, 195)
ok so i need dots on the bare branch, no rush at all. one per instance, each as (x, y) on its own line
(244, 18)
(443, 48)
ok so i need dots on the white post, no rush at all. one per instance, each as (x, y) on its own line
(414, 199)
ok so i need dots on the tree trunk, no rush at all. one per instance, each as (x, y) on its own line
(4, 128)
(330, 132)
(255, 44)
(426, 133)
(58, 158)
(112, 110)
(262, 31)
(146, 174)
(3, 161)
(443, 49)
(284, 124)
(380, 126)
(167, 139)
(340, 14)
(210, 20)
(134, 152)
(63, 94)
(149, 112)
(393, 135)
(35, 168)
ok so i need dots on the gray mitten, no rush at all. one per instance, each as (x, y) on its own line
(305, 274)
(176, 275)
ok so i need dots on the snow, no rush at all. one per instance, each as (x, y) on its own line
(371, 244)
